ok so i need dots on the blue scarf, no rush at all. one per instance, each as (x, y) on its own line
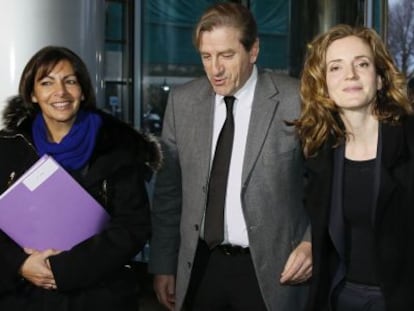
(75, 149)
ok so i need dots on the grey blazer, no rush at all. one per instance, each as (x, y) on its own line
(272, 185)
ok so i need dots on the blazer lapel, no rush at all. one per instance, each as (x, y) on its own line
(263, 110)
(336, 217)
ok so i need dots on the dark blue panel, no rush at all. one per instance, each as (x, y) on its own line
(169, 24)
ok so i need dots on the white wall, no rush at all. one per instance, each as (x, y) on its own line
(28, 25)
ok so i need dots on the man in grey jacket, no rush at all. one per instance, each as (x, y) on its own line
(264, 251)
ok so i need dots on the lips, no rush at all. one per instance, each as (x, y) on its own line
(61, 105)
(219, 82)
(351, 89)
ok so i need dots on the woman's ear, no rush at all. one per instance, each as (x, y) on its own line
(379, 83)
(34, 99)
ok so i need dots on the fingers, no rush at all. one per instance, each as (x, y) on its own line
(36, 269)
(301, 273)
(29, 251)
(166, 299)
(287, 272)
(50, 252)
(50, 287)
(298, 267)
(164, 287)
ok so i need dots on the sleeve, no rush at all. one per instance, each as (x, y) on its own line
(12, 257)
(166, 209)
(103, 256)
(307, 236)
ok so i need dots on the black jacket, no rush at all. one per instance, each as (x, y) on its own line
(94, 274)
(393, 223)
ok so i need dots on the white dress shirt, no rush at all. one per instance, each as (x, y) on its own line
(235, 231)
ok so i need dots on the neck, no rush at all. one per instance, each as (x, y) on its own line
(57, 131)
(362, 140)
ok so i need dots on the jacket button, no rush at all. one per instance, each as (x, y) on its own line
(196, 227)
(189, 264)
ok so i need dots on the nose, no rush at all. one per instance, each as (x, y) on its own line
(60, 88)
(351, 72)
(217, 67)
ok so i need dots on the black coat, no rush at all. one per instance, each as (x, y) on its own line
(93, 275)
(393, 224)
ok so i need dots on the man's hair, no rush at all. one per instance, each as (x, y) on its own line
(228, 15)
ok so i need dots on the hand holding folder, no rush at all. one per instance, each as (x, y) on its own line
(46, 208)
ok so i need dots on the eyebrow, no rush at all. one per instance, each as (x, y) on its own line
(229, 50)
(355, 58)
(53, 78)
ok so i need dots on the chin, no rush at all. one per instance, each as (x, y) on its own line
(65, 118)
(221, 91)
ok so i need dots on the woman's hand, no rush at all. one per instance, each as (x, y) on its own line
(36, 268)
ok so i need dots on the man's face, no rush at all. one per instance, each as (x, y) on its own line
(226, 62)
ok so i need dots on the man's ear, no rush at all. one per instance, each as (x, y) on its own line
(254, 51)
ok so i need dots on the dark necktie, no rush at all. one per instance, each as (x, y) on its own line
(214, 216)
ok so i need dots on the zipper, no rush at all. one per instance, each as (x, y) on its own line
(104, 192)
(11, 179)
(31, 146)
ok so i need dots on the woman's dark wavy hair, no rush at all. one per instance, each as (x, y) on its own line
(42, 63)
(319, 117)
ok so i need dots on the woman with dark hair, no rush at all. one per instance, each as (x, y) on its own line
(357, 132)
(55, 114)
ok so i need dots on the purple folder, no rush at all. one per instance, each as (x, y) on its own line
(47, 208)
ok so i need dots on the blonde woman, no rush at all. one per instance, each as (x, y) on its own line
(357, 134)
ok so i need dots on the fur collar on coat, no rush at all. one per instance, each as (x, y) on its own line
(18, 117)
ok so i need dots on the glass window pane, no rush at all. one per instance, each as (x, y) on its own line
(400, 34)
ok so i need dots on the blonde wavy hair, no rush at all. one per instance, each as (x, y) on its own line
(319, 118)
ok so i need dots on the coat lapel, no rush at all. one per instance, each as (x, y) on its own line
(263, 110)
(336, 217)
(326, 170)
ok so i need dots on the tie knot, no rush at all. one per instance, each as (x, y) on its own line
(229, 100)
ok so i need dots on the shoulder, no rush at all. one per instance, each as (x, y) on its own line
(281, 81)
(408, 125)
(400, 132)
(118, 135)
(184, 98)
(197, 88)
(408, 122)
(193, 85)
(280, 86)
(16, 113)
(281, 89)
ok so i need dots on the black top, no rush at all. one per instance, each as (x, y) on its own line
(359, 235)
